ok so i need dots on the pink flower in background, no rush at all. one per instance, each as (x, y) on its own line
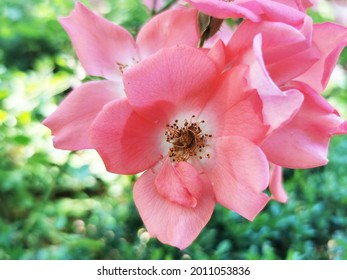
(155, 5)
(329, 40)
(305, 138)
(196, 132)
(107, 50)
(297, 63)
(340, 11)
(252, 44)
(306, 53)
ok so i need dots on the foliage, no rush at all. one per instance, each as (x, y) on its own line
(61, 205)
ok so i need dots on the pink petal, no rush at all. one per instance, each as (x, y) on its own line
(276, 184)
(170, 222)
(224, 34)
(290, 67)
(281, 13)
(233, 110)
(304, 141)
(71, 121)
(171, 187)
(273, 40)
(254, 10)
(101, 46)
(330, 39)
(291, 60)
(225, 9)
(301, 5)
(182, 78)
(286, 50)
(308, 3)
(168, 29)
(278, 107)
(217, 54)
(291, 3)
(239, 172)
(127, 143)
(342, 128)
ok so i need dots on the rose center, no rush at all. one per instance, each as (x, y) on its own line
(187, 140)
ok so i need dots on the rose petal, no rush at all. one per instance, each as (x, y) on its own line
(287, 51)
(71, 121)
(276, 185)
(238, 171)
(304, 141)
(170, 222)
(254, 10)
(224, 34)
(281, 13)
(168, 29)
(182, 78)
(171, 187)
(342, 128)
(127, 143)
(291, 60)
(330, 39)
(101, 46)
(217, 54)
(232, 110)
(225, 9)
(278, 106)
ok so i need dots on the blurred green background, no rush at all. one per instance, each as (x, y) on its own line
(56, 204)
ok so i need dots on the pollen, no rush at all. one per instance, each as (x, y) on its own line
(122, 67)
(187, 140)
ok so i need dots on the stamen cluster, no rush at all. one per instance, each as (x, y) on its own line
(187, 141)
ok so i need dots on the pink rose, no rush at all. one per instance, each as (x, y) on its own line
(203, 124)
(296, 64)
(195, 133)
(340, 11)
